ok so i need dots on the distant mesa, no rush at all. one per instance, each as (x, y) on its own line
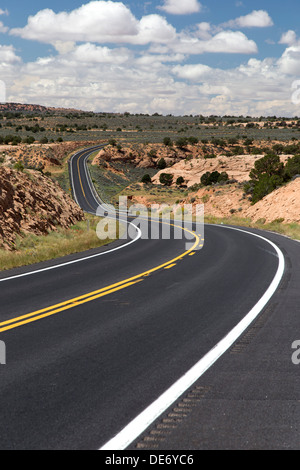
(34, 108)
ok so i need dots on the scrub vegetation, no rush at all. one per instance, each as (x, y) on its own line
(30, 249)
(39, 130)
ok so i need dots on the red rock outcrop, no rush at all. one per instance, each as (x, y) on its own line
(32, 203)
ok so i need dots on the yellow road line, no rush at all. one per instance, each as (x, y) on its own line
(39, 314)
(62, 306)
(22, 321)
(70, 303)
(80, 181)
(170, 266)
(79, 175)
(76, 301)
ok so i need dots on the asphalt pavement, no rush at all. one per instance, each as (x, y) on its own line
(95, 338)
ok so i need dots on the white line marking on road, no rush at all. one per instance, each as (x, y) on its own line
(79, 260)
(136, 427)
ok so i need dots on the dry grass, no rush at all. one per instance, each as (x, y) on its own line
(291, 230)
(32, 249)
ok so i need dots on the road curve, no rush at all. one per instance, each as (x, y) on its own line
(82, 187)
(97, 339)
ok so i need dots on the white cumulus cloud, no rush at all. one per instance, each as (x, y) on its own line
(226, 42)
(289, 38)
(97, 21)
(3, 29)
(289, 62)
(255, 19)
(92, 54)
(180, 7)
(8, 55)
(96, 68)
(90, 77)
(193, 72)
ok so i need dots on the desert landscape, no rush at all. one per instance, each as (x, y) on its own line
(35, 193)
(149, 228)
(220, 200)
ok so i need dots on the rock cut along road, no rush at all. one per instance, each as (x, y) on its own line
(93, 340)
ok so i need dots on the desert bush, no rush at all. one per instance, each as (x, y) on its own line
(215, 177)
(292, 167)
(167, 142)
(112, 142)
(161, 164)
(146, 179)
(193, 140)
(269, 165)
(181, 143)
(19, 166)
(180, 180)
(166, 179)
(268, 174)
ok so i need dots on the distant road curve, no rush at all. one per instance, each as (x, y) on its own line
(82, 187)
(132, 430)
(92, 346)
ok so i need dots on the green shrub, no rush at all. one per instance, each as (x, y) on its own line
(166, 179)
(167, 142)
(112, 142)
(269, 165)
(146, 179)
(181, 143)
(161, 164)
(19, 166)
(152, 153)
(215, 177)
(29, 140)
(268, 174)
(292, 167)
(193, 140)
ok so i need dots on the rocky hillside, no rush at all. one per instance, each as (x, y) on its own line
(188, 158)
(283, 204)
(32, 203)
(237, 168)
(140, 155)
(39, 156)
(219, 200)
(31, 108)
(230, 200)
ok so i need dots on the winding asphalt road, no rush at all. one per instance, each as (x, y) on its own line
(93, 340)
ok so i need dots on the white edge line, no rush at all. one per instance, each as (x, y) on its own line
(72, 178)
(136, 427)
(49, 268)
(79, 260)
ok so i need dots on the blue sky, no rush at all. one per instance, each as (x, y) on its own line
(168, 56)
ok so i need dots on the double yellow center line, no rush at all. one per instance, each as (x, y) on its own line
(79, 176)
(89, 297)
